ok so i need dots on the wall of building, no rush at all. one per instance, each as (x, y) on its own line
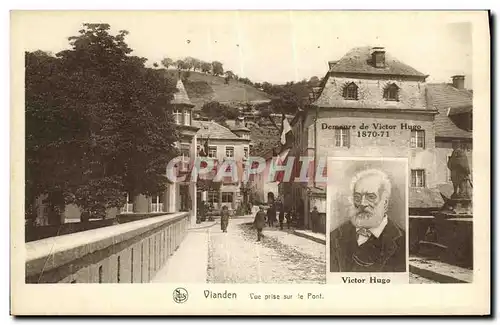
(396, 144)
(221, 145)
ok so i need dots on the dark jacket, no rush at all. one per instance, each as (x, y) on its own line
(260, 220)
(224, 216)
(314, 215)
(384, 254)
(271, 213)
(224, 219)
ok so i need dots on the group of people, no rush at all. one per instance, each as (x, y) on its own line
(268, 217)
(203, 209)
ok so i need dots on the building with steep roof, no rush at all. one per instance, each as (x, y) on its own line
(224, 143)
(367, 90)
(179, 196)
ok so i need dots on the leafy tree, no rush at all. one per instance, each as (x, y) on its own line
(197, 65)
(206, 67)
(98, 124)
(314, 81)
(219, 112)
(189, 63)
(167, 62)
(217, 68)
(229, 75)
(246, 81)
(180, 64)
(155, 65)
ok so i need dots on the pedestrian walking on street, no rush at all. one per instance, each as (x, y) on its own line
(315, 219)
(224, 219)
(281, 214)
(203, 211)
(289, 216)
(271, 215)
(260, 221)
(211, 216)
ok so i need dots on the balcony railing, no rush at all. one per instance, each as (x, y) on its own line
(156, 207)
(127, 208)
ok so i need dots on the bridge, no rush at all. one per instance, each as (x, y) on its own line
(132, 252)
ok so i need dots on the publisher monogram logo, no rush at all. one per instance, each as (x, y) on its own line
(180, 295)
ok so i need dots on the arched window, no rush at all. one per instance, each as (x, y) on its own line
(351, 91)
(391, 92)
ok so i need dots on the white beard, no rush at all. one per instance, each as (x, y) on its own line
(368, 218)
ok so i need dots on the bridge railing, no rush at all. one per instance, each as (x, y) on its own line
(125, 253)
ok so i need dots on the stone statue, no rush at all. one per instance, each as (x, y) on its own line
(460, 173)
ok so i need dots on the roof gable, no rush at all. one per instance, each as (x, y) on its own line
(213, 130)
(181, 97)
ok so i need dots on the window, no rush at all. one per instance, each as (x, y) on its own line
(213, 197)
(391, 93)
(351, 91)
(418, 178)
(342, 137)
(417, 139)
(245, 152)
(227, 197)
(177, 116)
(212, 152)
(187, 117)
(230, 152)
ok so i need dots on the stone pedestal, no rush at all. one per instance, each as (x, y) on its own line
(456, 207)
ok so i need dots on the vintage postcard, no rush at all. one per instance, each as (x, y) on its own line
(250, 162)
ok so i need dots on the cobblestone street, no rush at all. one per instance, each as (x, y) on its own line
(280, 257)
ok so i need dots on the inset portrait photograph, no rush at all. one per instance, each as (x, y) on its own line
(367, 203)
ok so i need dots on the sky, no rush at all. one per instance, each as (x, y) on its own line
(273, 46)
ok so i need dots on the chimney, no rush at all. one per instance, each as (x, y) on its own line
(239, 121)
(458, 81)
(378, 57)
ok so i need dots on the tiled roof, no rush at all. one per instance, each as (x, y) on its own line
(234, 127)
(358, 60)
(443, 95)
(449, 101)
(425, 198)
(213, 130)
(181, 97)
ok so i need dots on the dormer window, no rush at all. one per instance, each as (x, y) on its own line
(391, 92)
(351, 91)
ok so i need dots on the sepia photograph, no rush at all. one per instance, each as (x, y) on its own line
(368, 215)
